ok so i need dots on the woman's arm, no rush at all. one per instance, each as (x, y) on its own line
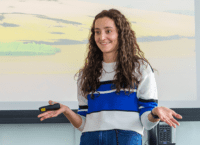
(74, 118)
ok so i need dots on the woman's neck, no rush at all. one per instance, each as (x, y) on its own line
(109, 58)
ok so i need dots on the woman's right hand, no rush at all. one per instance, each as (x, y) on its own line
(55, 113)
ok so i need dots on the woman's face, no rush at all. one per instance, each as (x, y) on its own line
(106, 35)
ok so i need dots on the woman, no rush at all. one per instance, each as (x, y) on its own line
(117, 92)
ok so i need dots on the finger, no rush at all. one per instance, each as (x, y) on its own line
(168, 122)
(49, 115)
(171, 124)
(52, 102)
(175, 121)
(174, 125)
(41, 115)
(44, 114)
(178, 116)
(43, 118)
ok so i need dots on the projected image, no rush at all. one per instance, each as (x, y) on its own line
(43, 44)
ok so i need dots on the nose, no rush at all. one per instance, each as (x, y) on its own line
(102, 36)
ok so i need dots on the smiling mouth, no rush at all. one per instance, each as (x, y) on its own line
(104, 43)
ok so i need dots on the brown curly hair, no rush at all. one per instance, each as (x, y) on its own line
(128, 54)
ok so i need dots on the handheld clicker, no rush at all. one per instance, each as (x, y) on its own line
(50, 107)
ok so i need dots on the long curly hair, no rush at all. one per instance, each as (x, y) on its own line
(128, 54)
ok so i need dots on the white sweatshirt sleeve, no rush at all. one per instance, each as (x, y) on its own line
(147, 96)
(83, 106)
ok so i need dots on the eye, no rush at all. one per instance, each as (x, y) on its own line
(108, 31)
(97, 32)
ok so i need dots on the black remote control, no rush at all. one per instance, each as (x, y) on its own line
(50, 107)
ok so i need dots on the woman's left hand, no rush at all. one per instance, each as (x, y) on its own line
(167, 115)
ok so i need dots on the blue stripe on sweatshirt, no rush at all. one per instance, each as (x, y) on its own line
(83, 109)
(83, 113)
(112, 101)
(146, 106)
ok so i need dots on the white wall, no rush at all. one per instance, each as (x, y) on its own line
(65, 134)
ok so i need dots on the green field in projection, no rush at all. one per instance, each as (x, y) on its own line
(29, 49)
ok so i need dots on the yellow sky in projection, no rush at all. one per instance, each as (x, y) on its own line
(148, 23)
(38, 29)
(37, 20)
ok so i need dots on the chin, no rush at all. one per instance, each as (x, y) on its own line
(105, 51)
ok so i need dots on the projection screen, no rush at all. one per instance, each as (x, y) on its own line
(43, 44)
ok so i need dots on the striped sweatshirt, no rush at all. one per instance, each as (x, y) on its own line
(110, 110)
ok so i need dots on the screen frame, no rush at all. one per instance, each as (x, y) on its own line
(30, 116)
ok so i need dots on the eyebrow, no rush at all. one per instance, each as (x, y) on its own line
(104, 28)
